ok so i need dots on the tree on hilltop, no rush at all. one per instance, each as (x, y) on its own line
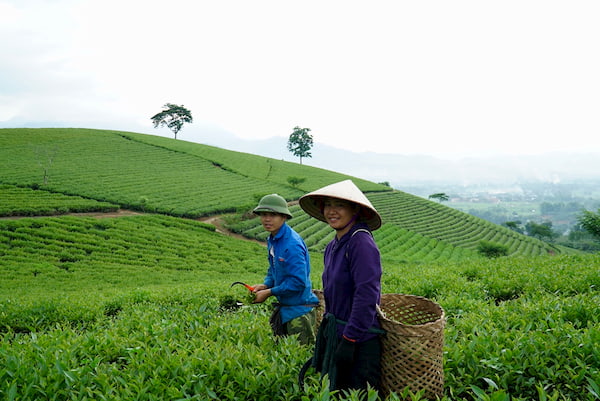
(173, 116)
(300, 142)
(441, 197)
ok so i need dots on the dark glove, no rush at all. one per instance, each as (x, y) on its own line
(344, 353)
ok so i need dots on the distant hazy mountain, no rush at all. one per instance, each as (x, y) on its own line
(409, 170)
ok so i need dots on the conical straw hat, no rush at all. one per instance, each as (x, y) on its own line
(346, 190)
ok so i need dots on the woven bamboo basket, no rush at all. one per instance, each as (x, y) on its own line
(412, 348)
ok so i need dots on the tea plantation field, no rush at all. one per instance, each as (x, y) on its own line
(178, 178)
(129, 308)
(132, 308)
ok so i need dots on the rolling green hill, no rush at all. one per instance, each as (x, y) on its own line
(149, 173)
(162, 175)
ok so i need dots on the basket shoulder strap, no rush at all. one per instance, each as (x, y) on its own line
(354, 233)
(363, 230)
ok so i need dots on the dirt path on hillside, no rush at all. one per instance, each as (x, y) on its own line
(217, 221)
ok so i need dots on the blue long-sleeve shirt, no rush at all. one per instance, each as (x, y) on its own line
(288, 276)
(352, 282)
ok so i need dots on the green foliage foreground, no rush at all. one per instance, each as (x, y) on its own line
(129, 309)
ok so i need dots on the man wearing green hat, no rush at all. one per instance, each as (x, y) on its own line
(288, 276)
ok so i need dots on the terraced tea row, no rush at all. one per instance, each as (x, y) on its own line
(86, 246)
(17, 201)
(437, 221)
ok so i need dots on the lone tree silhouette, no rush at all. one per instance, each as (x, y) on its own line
(441, 197)
(173, 116)
(300, 142)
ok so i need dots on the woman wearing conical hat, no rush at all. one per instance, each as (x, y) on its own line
(348, 346)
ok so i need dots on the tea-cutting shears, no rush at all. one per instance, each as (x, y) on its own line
(249, 287)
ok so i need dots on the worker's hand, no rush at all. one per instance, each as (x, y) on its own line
(262, 295)
(259, 287)
(344, 353)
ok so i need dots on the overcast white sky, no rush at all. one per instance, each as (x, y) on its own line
(433, 77)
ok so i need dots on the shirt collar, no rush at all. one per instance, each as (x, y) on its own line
(284, 227)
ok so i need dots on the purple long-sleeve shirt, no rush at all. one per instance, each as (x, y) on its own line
(352, 282)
